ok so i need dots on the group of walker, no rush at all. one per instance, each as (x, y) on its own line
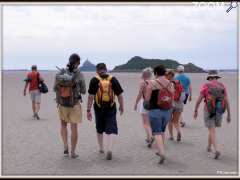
(160, 100)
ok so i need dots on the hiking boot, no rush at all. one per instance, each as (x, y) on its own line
(182, 124)
(150, 142)
(109, 155)
(217, 154)
(74, 156)
(179, 136)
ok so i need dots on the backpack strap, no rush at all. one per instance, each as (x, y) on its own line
(164, 87)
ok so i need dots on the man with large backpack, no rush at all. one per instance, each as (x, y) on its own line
(33, 80)
(216, 102)
(102, 90)
(69, 85)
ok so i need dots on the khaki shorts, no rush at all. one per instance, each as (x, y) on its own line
(70, 115)
(215, 121)
(35, 96)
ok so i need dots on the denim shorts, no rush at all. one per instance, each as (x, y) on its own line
(106, 120)
(159, 120)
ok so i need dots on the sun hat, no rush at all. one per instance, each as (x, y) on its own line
(180, 68)
(213, 74)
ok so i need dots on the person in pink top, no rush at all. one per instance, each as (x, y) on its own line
(216, 101)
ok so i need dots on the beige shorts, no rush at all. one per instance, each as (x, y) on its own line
(70, 115)
(35, 96)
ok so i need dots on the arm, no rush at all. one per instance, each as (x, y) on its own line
(25, 88)
(89, 106)
(228, 111)
(139, 96)
(200, 98)
(121, 106)
(190, 91)
(82, 85)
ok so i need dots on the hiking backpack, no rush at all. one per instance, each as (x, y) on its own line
(65, 88)
(165, 97)
(178, 91)
(215, 99)
(105, 95)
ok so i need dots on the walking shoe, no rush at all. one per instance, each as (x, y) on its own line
(182, 124)
(179, 136)
(209, 149)
(109, 155)
(171, 139)
(74, 156)
(217, 154)
(162, 159)
(37, 117)
(66, 153)
(150, 142)
(101, 151)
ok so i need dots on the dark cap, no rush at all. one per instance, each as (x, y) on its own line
(101, 66)
(74, 58)
(34, 67)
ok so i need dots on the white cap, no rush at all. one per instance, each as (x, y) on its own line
(180, 68)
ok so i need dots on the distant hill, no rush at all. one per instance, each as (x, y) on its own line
(88, 66)
(137, 63)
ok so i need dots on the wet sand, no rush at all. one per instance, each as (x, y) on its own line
(32, 147)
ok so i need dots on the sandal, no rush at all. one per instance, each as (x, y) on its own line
(151, 142)
(179, 136)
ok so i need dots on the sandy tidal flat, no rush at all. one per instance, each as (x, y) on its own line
(32, 147)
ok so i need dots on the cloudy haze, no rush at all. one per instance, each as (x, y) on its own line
(47, 35)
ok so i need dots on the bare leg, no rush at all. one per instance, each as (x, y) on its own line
(100, 142)
(37, 105)
(176, 121)
(209, 142)
(33, 107)
(147, 127)
(74, 137)
(110, 139)
(64, 133)
(160, 144)
(170, 129)
(213, 139)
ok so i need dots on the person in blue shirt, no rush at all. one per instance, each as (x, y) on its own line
(186, 82)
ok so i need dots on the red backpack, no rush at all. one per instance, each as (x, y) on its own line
(165, 97)
(178, 90)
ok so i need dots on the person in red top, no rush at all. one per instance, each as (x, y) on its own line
(32, 81)
(216, 101)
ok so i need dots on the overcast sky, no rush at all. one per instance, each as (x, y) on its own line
(47, 35)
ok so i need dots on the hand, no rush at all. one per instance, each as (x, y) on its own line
(195, 114)
(135, 107)
(228, 119)
(190, 98)
(24, 93)
(121, 110)
(89, 115)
